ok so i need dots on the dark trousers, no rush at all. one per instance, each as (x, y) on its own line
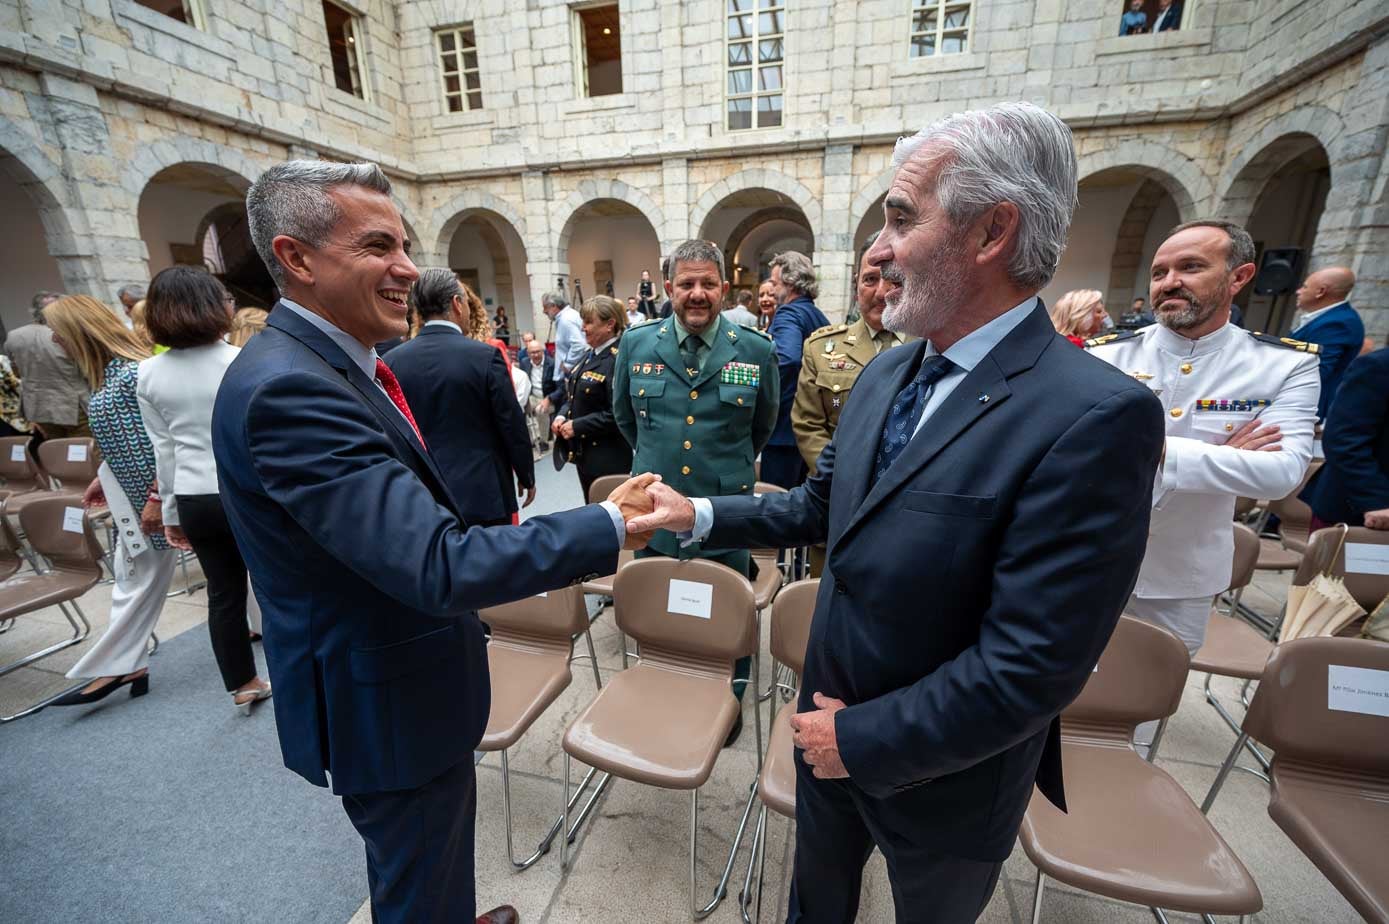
(782, 465)
(420, 848)
(837, 828)
(205, 525)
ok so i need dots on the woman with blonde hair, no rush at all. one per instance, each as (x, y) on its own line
(246, 323)
(1079, 315)
(108, 355)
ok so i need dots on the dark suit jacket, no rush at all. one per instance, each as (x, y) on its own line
(1341, 334)
(968, 593)
(794, 321)
(368, 580)
(1355, 477)
(1173, 21)
(555, 391)
(462, 398)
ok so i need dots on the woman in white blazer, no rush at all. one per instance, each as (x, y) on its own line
(176, 389)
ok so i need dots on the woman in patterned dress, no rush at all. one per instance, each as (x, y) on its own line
(108, 355)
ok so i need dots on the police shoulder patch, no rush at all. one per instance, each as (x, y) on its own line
(1119, 336)
(1289, 343)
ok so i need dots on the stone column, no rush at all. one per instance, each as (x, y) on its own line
(675, 204)
(541, 265)
(834, 245)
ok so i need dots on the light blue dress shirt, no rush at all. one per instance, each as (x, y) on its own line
(570, 344)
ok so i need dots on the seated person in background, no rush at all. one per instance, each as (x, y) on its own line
(539, 367)
(1079, 315)
(1134, 20)
(1353, 486)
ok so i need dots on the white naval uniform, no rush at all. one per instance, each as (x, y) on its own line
(1190, 540)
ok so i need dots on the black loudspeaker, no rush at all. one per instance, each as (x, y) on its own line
(1279, 271)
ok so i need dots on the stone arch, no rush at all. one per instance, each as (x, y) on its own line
(562, 216)
(1179, 174)
(151, 159)
(502, 231)
(867, 197)
(1278, 143)
(447, 217)
(757, 178)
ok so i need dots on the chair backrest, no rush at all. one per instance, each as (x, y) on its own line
(792, 611)
(18, 466)
(1325, 701)
(699, 615)
(1363, 552)
(1246, 556)
(554, 617)
(10, 559)
(57, 528)
(72, 461)
(602, 486)
(1294, 514)
(1244, 505)
(1140, 676)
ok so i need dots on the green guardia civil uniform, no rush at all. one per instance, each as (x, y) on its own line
(696, 412)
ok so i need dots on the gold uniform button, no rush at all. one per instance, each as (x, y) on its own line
(688, 444)
(834, 387)
(684, 470)
(1186, 368)
(740, 400)
(1229, 427)
(689, 420)
(640, 392)
(694, 395)
(1176, 412)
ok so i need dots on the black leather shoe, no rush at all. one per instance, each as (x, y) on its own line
(139, 686)
(735, 731)
(502, 914)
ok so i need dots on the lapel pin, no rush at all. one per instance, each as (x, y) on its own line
(983, 399)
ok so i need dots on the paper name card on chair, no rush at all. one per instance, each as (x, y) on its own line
(1357, 689)
(72, 519)
(1367, 558)
(77, 452)
(16, 453)
(691, 598)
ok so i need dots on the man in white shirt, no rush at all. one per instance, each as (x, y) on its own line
(570, 344)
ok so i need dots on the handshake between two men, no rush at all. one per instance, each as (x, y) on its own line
(647, 505)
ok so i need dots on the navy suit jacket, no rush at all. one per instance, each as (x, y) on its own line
(556, 391)
(969, 592)
(794, 321)
(368, 581)
(1341, 334)
(462, 399)
(1355, 477)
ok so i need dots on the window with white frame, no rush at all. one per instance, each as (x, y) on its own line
(939, 27)
(755, 53)
(345, 48)
(458, 57)
(188, 11)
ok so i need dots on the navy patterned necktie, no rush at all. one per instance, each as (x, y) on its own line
(906, 411)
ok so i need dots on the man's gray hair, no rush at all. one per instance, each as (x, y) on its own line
(1241, 244)
(554, 300)
(41, 300)
(132, 292)
(1011, 152)
(292, 199)
(694, 252)
(797, 272)
(433, 293)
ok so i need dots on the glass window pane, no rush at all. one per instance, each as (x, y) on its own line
(470, 60)
(923, 46)
(739, 114)
(739, 82)
(952, 44)
(924, 21)
(769, 50)
(468, 41)
(451, 83)
(769, 78)
(740, 53)
(771, 3)
(769, 23)
(472, 80)
(450, 64)
(739, 27)
(768, 111)
(737, 6)
(475, 99)
(455, 103)
(922, 4)
(957, 19)
(446, 41)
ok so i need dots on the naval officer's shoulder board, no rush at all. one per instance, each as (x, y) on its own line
(1119, 336)
(1287, 343)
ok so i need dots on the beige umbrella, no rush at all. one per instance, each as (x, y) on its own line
(1321, 607)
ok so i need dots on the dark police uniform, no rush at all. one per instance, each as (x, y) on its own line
(597, 448)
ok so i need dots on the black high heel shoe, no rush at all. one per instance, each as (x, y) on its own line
(139, 686)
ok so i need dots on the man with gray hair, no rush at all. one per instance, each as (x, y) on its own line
(570, 344)
(794, 283)
(368, 577)
(53, 392)
(129, 296)
(985, 505)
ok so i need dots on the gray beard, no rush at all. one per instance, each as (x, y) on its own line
(926, 301)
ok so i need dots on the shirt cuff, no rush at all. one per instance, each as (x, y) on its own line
(704, 522)
(619, 524)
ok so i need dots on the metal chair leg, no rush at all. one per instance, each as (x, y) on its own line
(548, 840)
(1157, 739)
(1229, 720)
(1224, 772)
(81, 628)
(1037, 898)
(722, 889)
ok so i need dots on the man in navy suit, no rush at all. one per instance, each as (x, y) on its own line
(368, 578)
(989, 511)
(1353, 486)
(1169, 16)
(1326, 318)
(797, 317)
(465, 404)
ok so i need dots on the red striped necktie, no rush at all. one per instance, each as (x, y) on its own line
(388, 381)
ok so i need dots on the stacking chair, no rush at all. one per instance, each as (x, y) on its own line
(769, 576)
(603, 586)
(10, 558)
(529, 656)
(1295, 516)
(67, 542)
(73, 462)
(776, 784)
(1331, 760)
(20, 471)
(1130, 831)
(1283, 554)
(664, 720)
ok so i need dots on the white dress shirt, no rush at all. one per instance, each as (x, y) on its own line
(1307, 317)
(440, 322)
(176, 391)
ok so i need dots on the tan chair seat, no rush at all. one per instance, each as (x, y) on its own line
(603, 586)
(652, 725)
(1273, 557)
(1232, 649)
(1342, 832)
(26, 593)
(777, 785)
(1106, 843)
(533, 680)
(1296, 539)
(768, 582)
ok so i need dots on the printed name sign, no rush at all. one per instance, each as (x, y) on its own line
(1317, 452)
(72, 519)
(77, 452)
(1357, 689)
(691, 598)
(1367, 558)
(16, 453)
